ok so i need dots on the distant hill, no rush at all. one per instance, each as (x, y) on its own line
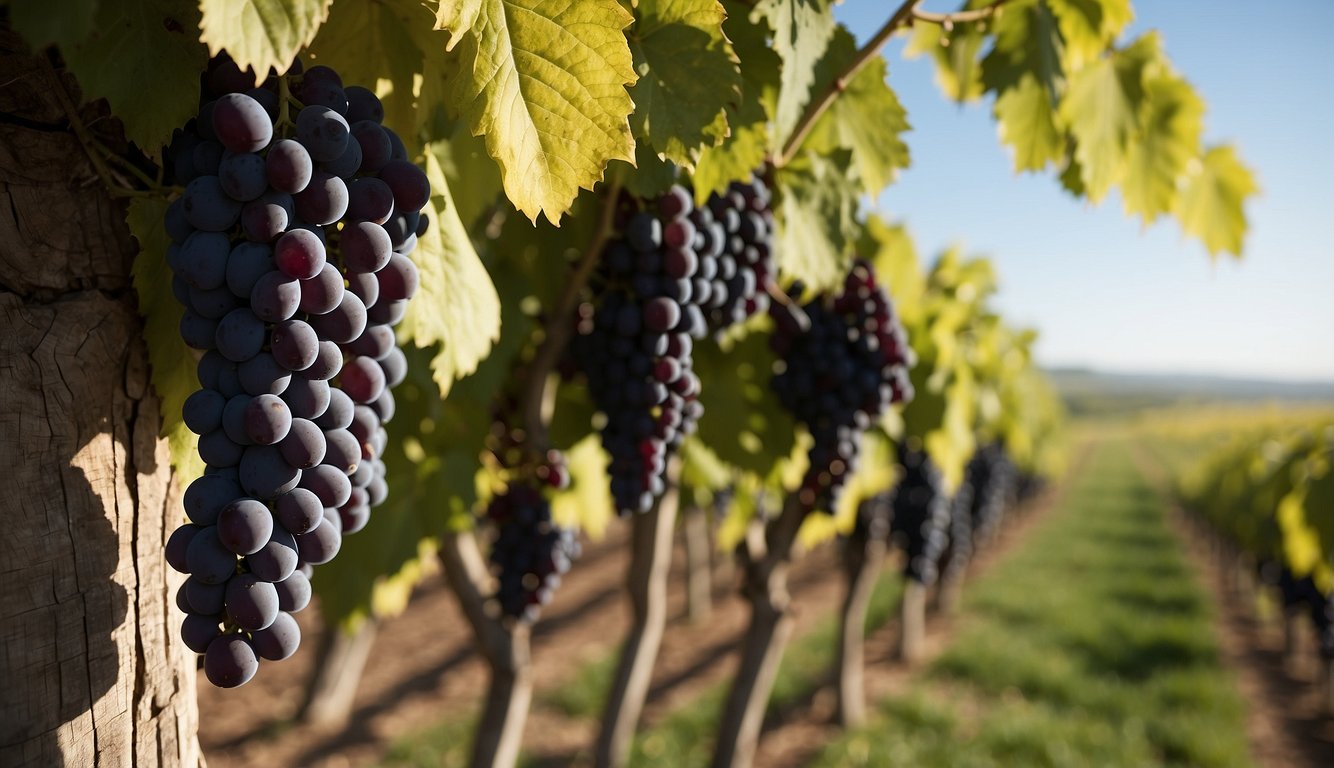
(1087, 391)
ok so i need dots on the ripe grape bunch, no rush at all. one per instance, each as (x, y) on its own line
(290, 252)
(672, 273)
(921, 514)
(530, 552)
(838, 372)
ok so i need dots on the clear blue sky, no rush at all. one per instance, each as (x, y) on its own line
(1103, 290)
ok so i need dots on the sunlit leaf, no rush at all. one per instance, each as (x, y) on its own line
(261, 33)
(1210, 205)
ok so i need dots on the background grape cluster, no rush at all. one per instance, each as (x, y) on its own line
(672, 273)
(530, 553)
(290, 257)
(838, 372)
(921, 514)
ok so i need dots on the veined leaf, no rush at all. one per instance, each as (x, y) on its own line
(744, 151)
(1026, 120)
(150, 42)
(802, 30)
(586, 505)
(1024, 70)
(172, 362)
(1168, 141)
(955, 52)
(545, 83)
(743, 422)
(457, 17)
(688, 76)
(261, 33)
(815, 217)
(866, 118)
(1089, 26)
(1101, 111)
(457, 306)
(1210, 202)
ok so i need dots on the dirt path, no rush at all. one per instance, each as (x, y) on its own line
(1285, 721)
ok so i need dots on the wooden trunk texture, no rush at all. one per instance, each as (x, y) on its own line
(94, 672)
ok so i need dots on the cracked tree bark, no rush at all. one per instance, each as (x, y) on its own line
(94, 670)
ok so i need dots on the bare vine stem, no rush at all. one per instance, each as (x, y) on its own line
(558, 324)
(903, 16)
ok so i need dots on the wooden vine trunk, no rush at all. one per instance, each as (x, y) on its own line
(861, 569)
(93, 667)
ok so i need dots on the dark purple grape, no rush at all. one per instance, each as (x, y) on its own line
(288, 166)
(207, 206)
(323, 132)
(246, 264)
(230, 661)
(363, 105)
(277, 559)
(199, 630)
(384, 406)
(345, 323)
(177, 225)
(178, 545)
(339, 413)
(299, 254)
(375, 342)
(304, 445)
(250, 602)
(242, 176)
(375, 146)
(203, 258)
(279, 640)
(294, 344)
(369, 199)
(262, 375)
(207, 559)
(661, 314)
(218, 450)
(362, 379)
(330, 484)
(323, 201)
(294, 592)
(320, 545)
(343, 450)
(233, 419)
(267, 419)
(321, 293)
(244, 526)
(366, 286)
(206, 497)
(365, 247)
(354, 516)
(308, 398)
(346, 165)
(241, 123)
(240, 335)
(399, 279)
(265, 474)
(213, 304)
(328, 362)
(407, 183)
(202, 412)
(267, 99)
(207, 157)
(197, 331)
(275, 297)
(299, 510)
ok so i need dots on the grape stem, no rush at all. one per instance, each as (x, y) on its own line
(284, 97)
(558, 326)
(904, 16)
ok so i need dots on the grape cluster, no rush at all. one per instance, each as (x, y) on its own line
(671, 273)
(992, 477)
(290, 256)
(530, 552)
(837, 373)
(921, 514)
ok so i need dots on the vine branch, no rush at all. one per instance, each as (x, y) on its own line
(558, 326)
(902, 17)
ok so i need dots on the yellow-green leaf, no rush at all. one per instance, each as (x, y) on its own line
(958, 74)
(1089, 26)
(173, 364)
(457, 305)
(817, 203)
(144, 58)
(586, 505)
(688, 76)
(457, 17)
(802, 30)
(545, 83)
(1101, 111)
(1169, 138)
(261, 33)
(866, 118)
(1210, 205)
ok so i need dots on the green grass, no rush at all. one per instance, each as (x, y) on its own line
(686, 737)
(1092, 645)
(447, 744)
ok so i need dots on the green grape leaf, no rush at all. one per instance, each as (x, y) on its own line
(1089, 26)
(173, 364)
(1169, 140)
(688, 76)
(954, 52)
(802, 30)
(1210, 204)
(891, 251)
(815, 217)
(703, 474)
(457, 17)
(546, 86)
(745, 149)
(1026, 121)
(468, 166)
(1101, 111)
(743, 422)
(261, 33)
(457, 305)
(866, 118)
(586, 505)
(651, 177)
(372, 44)
(149, 41)
(43, 23)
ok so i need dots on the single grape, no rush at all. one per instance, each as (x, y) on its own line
(362, 104)
(362, 379)
(242, 176)
(322, 131)
(218, 450)
(328, 362)
(299, 254)
(365, 247)
(246, 264)
(328, 483)
(267, 419)
(207, 559)
(244, 526)
(207, 206)
(277, 559)
(230, 661)
(280, 639)
(323, 201)
(202, 411)
(299, 510)
(265, 474)
(288, 166)
(375, 146)
(399, 279)
(250, 602)
(304, 447)
(308, 398)
(320, 545)
(294, 344)
(199, 630)
(240, 335)
(203, 260)
(241, 123)
(323, 292)
(345, 323)
(369, 199)
(262, 375)
(275, 297)
(407, 183)
(294, 592)
(207, 495)
(178, 546)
